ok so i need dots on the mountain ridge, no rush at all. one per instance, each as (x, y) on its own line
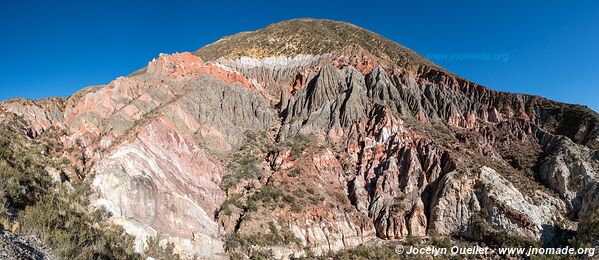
(308, 36)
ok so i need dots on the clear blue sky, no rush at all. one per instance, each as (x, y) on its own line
(547, 48)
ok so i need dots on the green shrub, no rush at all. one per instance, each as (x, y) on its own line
(289, 198)
(296, 207)
(62, 222)
(240, 168)
(297, 145)
(588, 233)
(363, 252)
(315, 200)
(483, 232)
(274, 236)
(157, 252)
(232, 201)
(251, 205)
(440, 242)
(245, 163)
(267, 196)
(341, 198)
(295, 172)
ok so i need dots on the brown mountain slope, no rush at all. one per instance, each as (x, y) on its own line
(310, 36)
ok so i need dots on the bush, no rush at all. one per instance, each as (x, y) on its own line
(295, 172)
(363, 252)
(232, 201)
(61, 220)
(274, 236)
(296, 207)
(588, 233)
(155, 251)
(3, 211)
(342, 198)
(483, 232)
(245, 163)
(297, 143)
(289, 198)
(267, 196)
(440, 242)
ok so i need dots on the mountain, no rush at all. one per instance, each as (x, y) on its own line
(308, 137)
(310, 36)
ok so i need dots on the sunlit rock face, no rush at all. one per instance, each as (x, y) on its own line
(318, 140)
(163, 183)
(155, 147)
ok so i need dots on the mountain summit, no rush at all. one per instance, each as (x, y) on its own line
(305, 137)
(309, 36)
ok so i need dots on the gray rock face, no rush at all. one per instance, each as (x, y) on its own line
(22, 247)
(401, 184)
(589, 209)
(454, 204)
(508, 208)
(571, 170)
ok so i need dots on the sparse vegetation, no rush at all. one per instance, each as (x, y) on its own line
(297, 145)
(233, 200)
(588, 234)
(566, 119)
(33, 204)
(440, 242)
(274, 236)
(316, 37)
(342, 198)
(574, 182)
(492, 237)
(157, 252)
(245, 163)
(267, 196)
(295, 172)
(363, 252)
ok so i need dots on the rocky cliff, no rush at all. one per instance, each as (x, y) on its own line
(312, 136)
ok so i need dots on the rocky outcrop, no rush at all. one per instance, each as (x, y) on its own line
(453, 205)
(571, 170)
(589, 212)
(40, 114)
(22, 247)
(163, 183)
(509, 209)
(158, 175)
